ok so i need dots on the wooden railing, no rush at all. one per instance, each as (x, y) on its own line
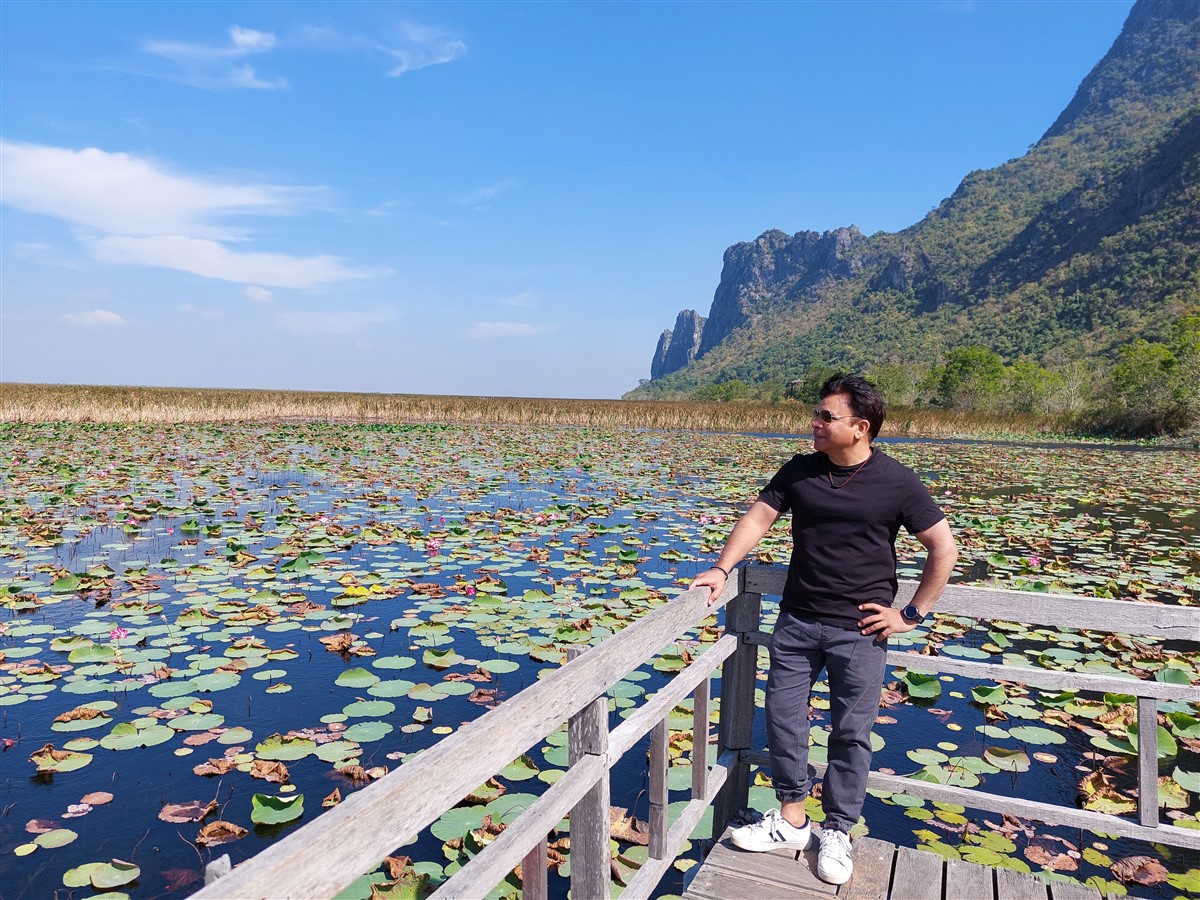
(353, 837)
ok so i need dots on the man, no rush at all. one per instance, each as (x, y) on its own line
(848, 502)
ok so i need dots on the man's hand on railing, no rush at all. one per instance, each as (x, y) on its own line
(714, 579)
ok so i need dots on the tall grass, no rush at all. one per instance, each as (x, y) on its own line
(112, 404)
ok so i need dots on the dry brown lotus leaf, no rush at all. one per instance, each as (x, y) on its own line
(429, 589)
(1140, 869)
(233, 667)
(333, 799)
(177, 879)
(83, 713)
(201, 706)
(188, 811)
(200, 738)
(220, 832)
(1055, 862)
(97, 798)
(396, 865)
(339, 643)
(41, 826)
(220, 766)
(478, 675)
(627, 828)
(269, 770)
(484, 697)
(49, 751)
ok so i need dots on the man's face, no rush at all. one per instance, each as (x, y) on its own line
(842, 430)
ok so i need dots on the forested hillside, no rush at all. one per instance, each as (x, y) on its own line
(1078, 255)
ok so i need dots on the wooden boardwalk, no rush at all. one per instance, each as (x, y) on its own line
(882, 871)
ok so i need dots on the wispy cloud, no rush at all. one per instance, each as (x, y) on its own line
(210, 66)
(406, 47)
(421, 46)
(490, 192)
(491, 331)
(94, 318)
(312, 322)
(214, 260)
(258, 294)
(131, 210)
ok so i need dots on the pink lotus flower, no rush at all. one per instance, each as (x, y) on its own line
(118, 633)
(470, 592)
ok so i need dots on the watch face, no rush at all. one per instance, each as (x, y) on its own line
(913, 614)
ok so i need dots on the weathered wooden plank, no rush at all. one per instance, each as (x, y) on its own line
(534, 881)
(352, 837)
(1147, 718)
(797, 871)
(736, 729)
(1029, 809)
(1014, 885)
(872, 878)
(1061, 890)
(1044, 678)
(1053, 610)
(700, 732)
(967, 879)
(723, 884)
(917, 875)
(497, 859)
(591, 849)
(659, 735)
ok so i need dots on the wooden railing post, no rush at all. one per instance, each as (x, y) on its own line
(1147, 720)
(738, 676)
(587, 735)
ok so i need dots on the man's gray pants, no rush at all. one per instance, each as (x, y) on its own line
(855, 666)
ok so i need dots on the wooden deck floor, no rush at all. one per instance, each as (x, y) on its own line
(881, 871)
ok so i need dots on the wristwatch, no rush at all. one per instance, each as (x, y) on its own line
(912, 614)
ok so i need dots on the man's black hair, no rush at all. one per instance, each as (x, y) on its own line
(864, 398)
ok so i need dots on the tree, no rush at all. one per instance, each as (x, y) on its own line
(1142, 379)
(972, 378)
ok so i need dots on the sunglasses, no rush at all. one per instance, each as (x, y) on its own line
(826, 416)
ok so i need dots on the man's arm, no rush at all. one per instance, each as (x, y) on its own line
(748, 531)
(941, 555)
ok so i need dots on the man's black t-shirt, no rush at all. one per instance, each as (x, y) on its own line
(844, 527)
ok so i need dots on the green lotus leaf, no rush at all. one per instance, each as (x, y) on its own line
(520, 769)
(366, 732)
(921, 686)
(1035, 734)
(499, 666)
(393, 662)
(369, 708)
(386, 689)
(66, 584)
(1167, 747)
(285, 747)
(456, 822)
(989, 693)
(215, 681)
(197, 722)
(338, 751)
(356, 678)
(59, 837)
(49, 759)
(441, 659)
(1007, 760)
(266, 809)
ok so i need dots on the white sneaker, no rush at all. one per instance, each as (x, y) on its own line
(772, 833)
(834, 865)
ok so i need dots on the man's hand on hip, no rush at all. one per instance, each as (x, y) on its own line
(883, 621)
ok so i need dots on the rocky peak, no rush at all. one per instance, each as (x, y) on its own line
(678, 346)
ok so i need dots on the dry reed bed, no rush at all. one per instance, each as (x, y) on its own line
(111, 404)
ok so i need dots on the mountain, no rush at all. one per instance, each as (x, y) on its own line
(1087, 242)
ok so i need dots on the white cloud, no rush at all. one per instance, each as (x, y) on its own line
(207, 66)
(489, 192)
(421, 46)
(241, 42)
(214, 260)
(123, 194)
(490, 331)
(258, 294)
(132, 211)
(95, 317)
(348, 322)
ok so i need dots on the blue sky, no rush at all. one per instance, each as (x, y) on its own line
(499, 199)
